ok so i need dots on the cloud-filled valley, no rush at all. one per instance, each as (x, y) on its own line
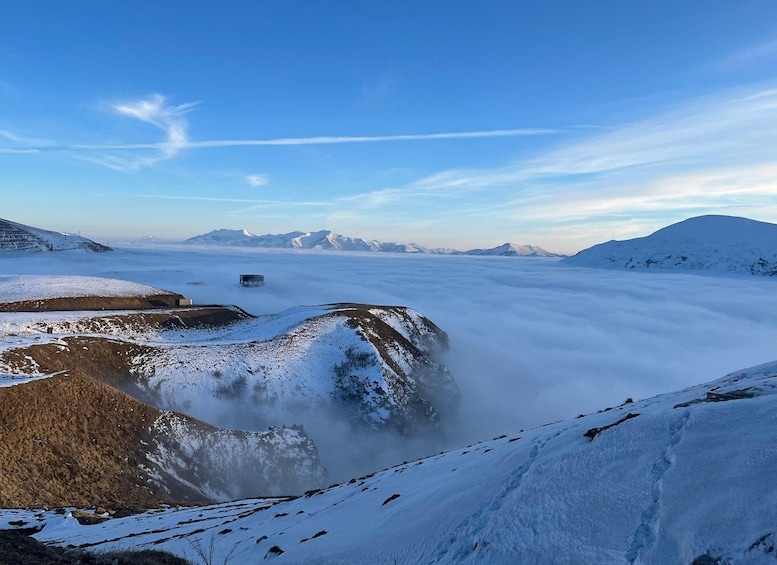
(531, 340)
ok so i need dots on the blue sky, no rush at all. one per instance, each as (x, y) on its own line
(461, 124)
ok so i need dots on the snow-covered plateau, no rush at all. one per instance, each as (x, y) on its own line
(705, 244)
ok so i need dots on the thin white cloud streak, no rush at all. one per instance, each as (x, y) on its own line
(325, 140)
(9, 135)
(18, 151)
(30, 143)
(154, 110)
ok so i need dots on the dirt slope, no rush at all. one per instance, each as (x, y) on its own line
(74, 441)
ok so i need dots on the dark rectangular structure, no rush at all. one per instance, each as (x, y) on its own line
(252, 280)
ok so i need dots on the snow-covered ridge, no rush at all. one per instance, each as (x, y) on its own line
(357, 375)
(326, 239)
(18, 237)
(685, 477)
(717, 244)
(373, 364)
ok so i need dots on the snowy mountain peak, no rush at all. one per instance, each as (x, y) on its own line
(722, 244)
(19, 237)
(727, 229)
(510, 250)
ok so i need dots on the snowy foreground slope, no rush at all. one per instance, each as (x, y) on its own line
(18, 237)
(722, 244)
(326, 239)
(686, 477)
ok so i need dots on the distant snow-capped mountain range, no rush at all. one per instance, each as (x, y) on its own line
(326, 239)
(718, 244)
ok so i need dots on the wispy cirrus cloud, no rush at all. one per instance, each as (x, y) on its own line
(709, 155)
(10, 151)
(256, 180)
(326, 140)
(172, 120)
(25, 144)
(158, 112)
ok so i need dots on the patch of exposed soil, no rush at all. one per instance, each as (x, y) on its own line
(71, 441)
(93, 303)
(106, 360)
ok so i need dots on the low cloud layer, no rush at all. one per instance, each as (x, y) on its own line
(531, 341)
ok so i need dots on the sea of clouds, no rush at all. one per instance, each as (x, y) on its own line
(531, 340)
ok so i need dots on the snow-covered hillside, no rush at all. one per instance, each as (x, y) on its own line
(722, 244)
(372, 366)
(18, 237)
(68, 439)
(326, 239)
(686, 477)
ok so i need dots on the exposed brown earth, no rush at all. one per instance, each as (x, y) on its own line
(93, 303)
(74, 441)
(106, 360)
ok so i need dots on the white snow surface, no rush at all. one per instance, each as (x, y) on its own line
(663, 480)
(17, 288)
(717, 244)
